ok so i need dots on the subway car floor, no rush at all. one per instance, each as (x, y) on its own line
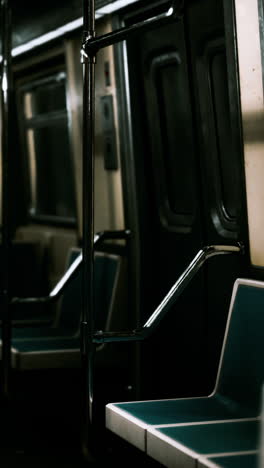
(41, 425)
(41, 420)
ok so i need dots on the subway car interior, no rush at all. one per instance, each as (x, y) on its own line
(132, 220)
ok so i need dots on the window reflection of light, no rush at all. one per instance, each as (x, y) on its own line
(4, 83)
(69, 27)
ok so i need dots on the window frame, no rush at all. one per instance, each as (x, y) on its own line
(42, 72)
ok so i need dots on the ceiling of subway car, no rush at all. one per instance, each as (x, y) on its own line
(31, 19)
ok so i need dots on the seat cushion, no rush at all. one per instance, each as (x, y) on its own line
(56, 352)
(131, 420)
(234, 460)
(182, 444)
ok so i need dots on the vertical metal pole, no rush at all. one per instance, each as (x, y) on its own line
(88, 222)
(5, 149)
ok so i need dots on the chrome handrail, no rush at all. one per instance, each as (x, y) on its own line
(92, 43)
(159, 313)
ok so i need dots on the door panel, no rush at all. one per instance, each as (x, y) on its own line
(186, 171)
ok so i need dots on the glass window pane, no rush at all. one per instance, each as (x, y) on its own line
(54, 173)
(47, 96)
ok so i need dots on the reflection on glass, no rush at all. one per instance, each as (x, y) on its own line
(54, 181)
(46, 96)
(48, 147)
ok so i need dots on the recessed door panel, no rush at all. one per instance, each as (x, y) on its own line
(185, 168)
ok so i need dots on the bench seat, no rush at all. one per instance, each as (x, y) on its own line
(46, 353)
(181, 445)
(237, 396)
(59, 346)
(133, 419)
(35, 333)
(234, 460)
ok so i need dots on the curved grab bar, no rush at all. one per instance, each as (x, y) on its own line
(147, 329)
(92, 44)
(66, 279)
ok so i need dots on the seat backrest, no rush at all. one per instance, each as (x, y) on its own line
(106, 273)
(106, 277)
(241, 369)
(71, 302)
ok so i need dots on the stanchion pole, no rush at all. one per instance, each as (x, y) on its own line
(88, 348)
(5, 149)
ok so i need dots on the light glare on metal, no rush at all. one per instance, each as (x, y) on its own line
(4, 83)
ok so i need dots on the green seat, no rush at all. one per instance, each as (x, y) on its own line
(67, 321)
(59, 346)
(46, 353)
(235, 460)
(238, 385)
(183, 444)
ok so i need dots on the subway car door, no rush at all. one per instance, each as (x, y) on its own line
(189, 190)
